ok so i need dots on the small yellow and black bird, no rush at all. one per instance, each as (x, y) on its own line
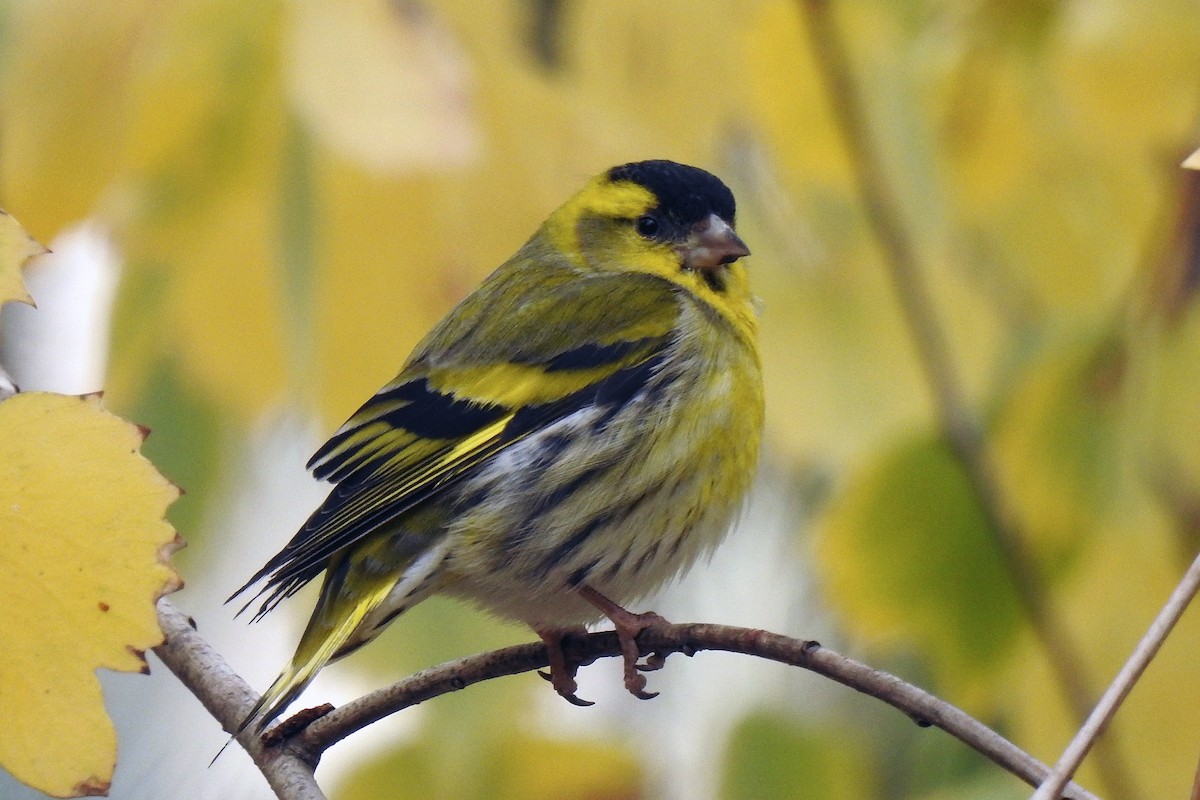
(575, 433)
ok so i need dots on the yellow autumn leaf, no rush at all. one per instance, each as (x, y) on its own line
(410, 108)
(62, 149)
(85, 550)
(16, 247)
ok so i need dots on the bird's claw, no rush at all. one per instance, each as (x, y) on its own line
(635, 684)
(655, 661)
(567, 689)
(575, 700)
(635, 681)
(629, 626)
(562, 673)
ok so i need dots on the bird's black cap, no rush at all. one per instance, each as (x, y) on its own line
(687, 194)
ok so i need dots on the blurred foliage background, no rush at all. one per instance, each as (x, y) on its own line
(295, 191)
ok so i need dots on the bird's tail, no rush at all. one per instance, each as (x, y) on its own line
(339, 613)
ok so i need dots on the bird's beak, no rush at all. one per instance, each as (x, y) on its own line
(711, 243)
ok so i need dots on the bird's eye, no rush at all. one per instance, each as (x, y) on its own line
(647, 226)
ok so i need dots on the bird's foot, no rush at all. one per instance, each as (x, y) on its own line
(562, 672)
(628, 626)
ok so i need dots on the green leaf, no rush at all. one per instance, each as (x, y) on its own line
(911, 564)
(404, 773)
(1060, 441)
(502, 765)
(187, 442)
(772, 757)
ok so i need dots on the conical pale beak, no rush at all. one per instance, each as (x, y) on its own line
(712, 243)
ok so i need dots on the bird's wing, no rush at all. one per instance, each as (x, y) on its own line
(464, 398)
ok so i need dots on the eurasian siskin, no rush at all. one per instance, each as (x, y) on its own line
(575, 433)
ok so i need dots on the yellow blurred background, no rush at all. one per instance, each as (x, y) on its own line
(293, 192)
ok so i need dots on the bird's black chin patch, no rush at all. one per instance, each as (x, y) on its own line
(714, 279)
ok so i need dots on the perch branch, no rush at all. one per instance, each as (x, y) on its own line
(289, 761)
(229, 698)
(921, 706)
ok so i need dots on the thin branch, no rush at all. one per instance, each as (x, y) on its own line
(288, 763)
(229, 698)
(921, 706)
(959, 425)
(1073, 756)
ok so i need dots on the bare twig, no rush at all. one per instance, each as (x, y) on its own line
(1122, 684)
(229, 698)
(958, 424)
(289, 761)
(921, 706)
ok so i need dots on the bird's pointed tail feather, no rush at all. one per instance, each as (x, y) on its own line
(320, 643)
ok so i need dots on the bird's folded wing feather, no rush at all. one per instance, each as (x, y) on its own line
(492, 373)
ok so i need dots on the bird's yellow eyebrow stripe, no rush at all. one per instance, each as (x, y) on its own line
(623, 200)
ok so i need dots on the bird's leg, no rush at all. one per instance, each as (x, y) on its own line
(562, 672)
(629, 625)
